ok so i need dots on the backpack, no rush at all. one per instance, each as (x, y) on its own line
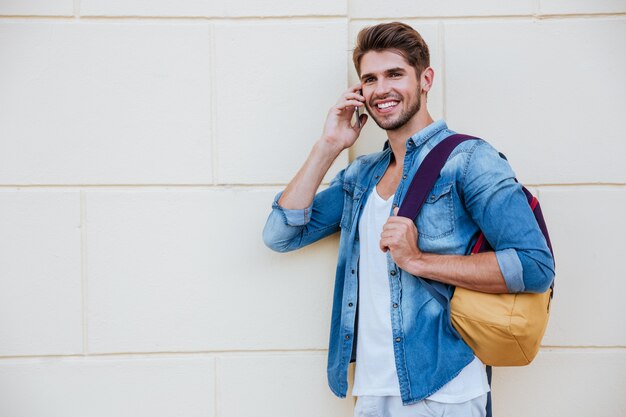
(501, 329)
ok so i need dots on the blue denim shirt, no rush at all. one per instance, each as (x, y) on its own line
(475, 192)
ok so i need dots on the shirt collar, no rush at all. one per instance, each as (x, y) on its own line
(423, 135)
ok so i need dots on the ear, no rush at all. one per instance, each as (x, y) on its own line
(426, 79)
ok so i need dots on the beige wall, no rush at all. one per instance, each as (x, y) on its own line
(141, 143)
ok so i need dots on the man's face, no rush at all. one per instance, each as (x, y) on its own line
(391, 88)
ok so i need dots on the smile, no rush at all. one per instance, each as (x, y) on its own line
(387, 104)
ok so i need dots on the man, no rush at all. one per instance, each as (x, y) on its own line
(409, 360)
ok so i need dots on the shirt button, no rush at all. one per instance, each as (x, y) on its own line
(347, 337)
(432, 198)
(398, 339)
(393, 273)
(404, 176)
(395, 305)
(377, 176)
(350, 304)
(352, 271)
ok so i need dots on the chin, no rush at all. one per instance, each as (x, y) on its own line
(393, 124)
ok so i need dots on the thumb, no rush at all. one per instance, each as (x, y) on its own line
(363, 118)
(395, 211)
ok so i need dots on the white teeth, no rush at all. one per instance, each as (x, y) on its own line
(387, 104)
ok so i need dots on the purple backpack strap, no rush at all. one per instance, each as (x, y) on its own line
(420, 187)
(427, 175)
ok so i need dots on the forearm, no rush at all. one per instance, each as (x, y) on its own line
(480, 272)
(300, 191)
(339, 134)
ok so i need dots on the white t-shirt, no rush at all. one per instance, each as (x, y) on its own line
(375, 372)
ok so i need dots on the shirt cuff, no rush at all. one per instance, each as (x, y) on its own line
(511, 268)
(297, 217)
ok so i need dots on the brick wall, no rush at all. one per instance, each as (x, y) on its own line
(141, 143)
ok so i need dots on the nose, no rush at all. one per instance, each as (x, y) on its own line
(382, 88)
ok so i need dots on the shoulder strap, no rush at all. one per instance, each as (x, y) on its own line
(427, 175)
(420, 187)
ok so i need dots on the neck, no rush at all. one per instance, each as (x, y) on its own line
(397, 138)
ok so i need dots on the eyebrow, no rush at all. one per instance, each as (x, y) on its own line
(387, 71)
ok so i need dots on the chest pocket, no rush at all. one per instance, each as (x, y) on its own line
(436, 219)
(352, 195)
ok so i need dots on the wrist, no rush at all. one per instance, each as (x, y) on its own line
(329, 146)
(416, 265)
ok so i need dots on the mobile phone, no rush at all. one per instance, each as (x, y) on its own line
(356, 112)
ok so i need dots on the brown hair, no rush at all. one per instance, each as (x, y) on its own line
(397, 36)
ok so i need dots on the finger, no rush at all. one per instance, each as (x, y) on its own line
(396, 223)
(392, 227)
(355, 88)
(395, 211)
(363, 119)
(386, 234)
(392, 237)
(385, 242)
(354, 96)
(343, 104)
(400, 220)
(398, 232)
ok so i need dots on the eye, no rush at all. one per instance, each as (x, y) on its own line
(368, 80)
(395, 75)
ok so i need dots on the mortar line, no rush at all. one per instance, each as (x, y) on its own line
(244, 352)
(212, 106)
(564, 16)
(83, 273)
(574, 16)
(351, 155)
(143, 186)
(215, 389)
(76, 5)
(444, 76)
(537, 192)
(270, 18)
(220, 186)
(165, 354)
(38, 17)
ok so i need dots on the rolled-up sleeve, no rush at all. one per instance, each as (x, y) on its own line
(288, 229)
(511, 268)
(293, 217)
